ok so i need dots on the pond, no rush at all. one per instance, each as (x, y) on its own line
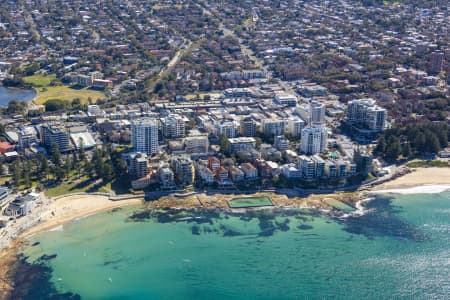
(10, 94)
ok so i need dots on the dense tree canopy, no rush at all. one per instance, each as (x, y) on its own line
(416, 139)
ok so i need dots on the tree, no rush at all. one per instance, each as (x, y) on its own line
(16, 173)
(56, 154)
(58, 172)
(224, 144)
(393, 149)
(81, 152)
(381, 146)
(107, 172)
(76, 103)
(16, 107)
(44, 169)
(55, 105)
(406, 150)
(432, 143)
(119, 165)
(98, 162)
(88, 169)
(26, 178)
(420, 142)
(67, 167)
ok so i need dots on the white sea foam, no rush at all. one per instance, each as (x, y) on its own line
(57, 228)
(361, 210)
(424, 189)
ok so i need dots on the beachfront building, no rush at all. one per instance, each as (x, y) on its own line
(236, 174)
(166, 177)
(213, 163)
(311, 167)
(249, 170)
(183, 169)
(138, 166)
(21, 206)
(222, 175)
(204, 172)
(144, 135)
(314, 140)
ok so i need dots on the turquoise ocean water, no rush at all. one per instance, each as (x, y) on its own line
(400, 249)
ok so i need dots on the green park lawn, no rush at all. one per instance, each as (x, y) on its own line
(46, 92)
(40, 80)
(428, 164)
(67, 93)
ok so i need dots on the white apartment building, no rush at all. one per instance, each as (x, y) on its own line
(272, 127)
(144, 135)
(317, 113)
(365, 113)
(196, 144)
(314, 140)
(242, 144)
(281, 143)
(227, 128)
(173, 126)
(285, 99)
(295, 126)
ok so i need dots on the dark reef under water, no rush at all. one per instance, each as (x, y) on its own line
(32, 281)
(382, 220)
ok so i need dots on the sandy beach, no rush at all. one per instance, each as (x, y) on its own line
(70, 208)
(420, 180)
(420, 176)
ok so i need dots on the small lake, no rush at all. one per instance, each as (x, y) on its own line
(9, 94)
